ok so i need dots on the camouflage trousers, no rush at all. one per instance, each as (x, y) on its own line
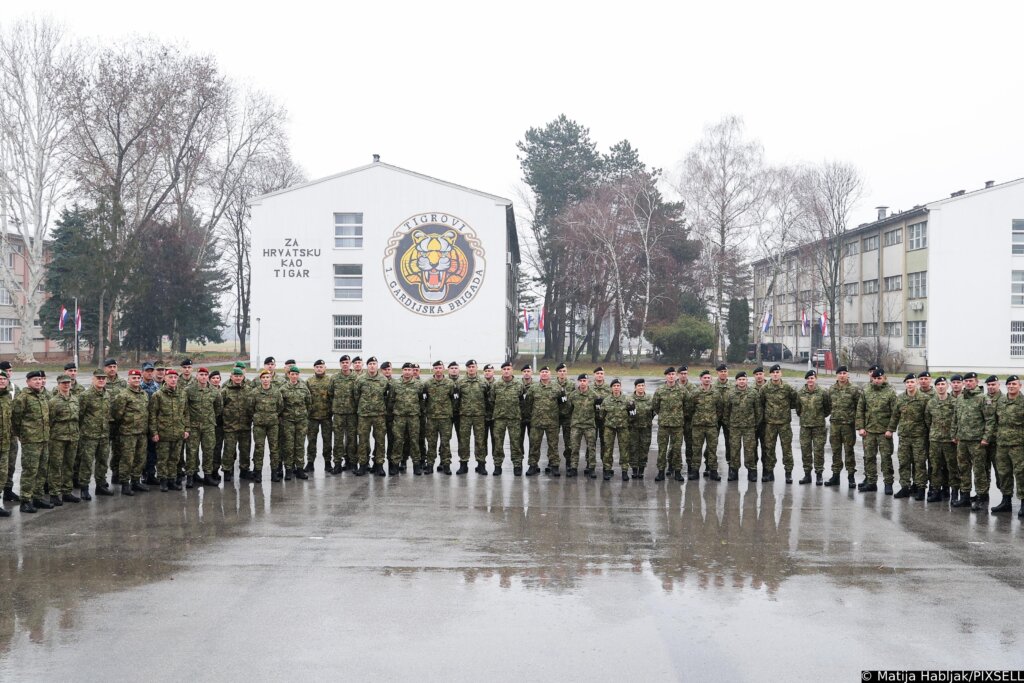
(973, 464)
(407, 434)
(4, 477)
(133, 457)
(565, 428)
(875, 444)
(264, 436)
(167, 458)
(293, 434)
(726, 430)
(11, 460)
(944, 468)
(237, 443)
(913, 459)
(218, 448)
(92, 458)
(537, 434)
(60, 464)
(778, 433)
(510, 427)
(474, 424)
(377, 426)
(611, 437)
(115, 452)
(33, 470)
(325, 430)
(812, 448)
(744, 443)
(640, 446)
(439, 440)
(670, 448)
(201, 437)
(759, 432)
(598, 439)
(344, 443)
(843, 440)
(705, 446)
(577, 436)
(1010, 466)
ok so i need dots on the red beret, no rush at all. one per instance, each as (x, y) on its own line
(135, 373)
(204, 370)
(171, 371)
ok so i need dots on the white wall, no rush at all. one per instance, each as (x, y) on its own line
(296, 312)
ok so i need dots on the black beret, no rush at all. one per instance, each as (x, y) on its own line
(775, 368)
(470, 362)
(924, 374)
(319, 361)
(956, 378)
(970, 375)
(344, 358)
(215, 373)
(371, 359)
(1012, 378)
(560, 366)
(407, 366)
(582, 375)
(437, 364)
(615, 381)
(110, 361)
(842, 368)
(759, 368)
(638, 381)
(506, 364)
(453, 364)
(70, 366)
(809, 374)
(940, 380)
(5, 365)
(415, 366)
(525, 368)
(188, 361)
(741, 373)
(543, 368)
(721, 366)
(357, 358)
(668, 370)
(873, 368)
(877, 372)
(991, 378)
(909, 377)
(681, 368)
(598, 369)
(385, 365)
(290, 361)
(35, 373)
(705, 372)
(269, 359)
(488, 367)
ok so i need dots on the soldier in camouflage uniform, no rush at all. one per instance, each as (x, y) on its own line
(473, 399)
(423, 420)
(343, 412)
(30, 422)
(205, 405)
(778, 400)
(71, 370)
(115, 385)
(908, 418)
(507, 396)
(63, 442)
(615, 411)
(1007, 429)
(5, 433)
(489, 380)
(218, 434)
(453, 375)
(407, 398)
(9, 496)
(692, 459)
(742, 412)
(813, 406)
(993, 396)
(150, 385)
(526, 380)
(759, 383)
(185, 380)
(294, 418)
(543, 403)
(319, 386)
(969, 426)
(389, 417)
(266, 405)
(844, 396)
(874, 411)
(438, 394)
(565, 413)
(94, 433)
(721, 386)
(603, 390)
(706, 406)
(671, 405)
(373, 393)
(941, 451)
(237, 416)
(585, 404)
(640, 427)
(129, 410)
(168, 428)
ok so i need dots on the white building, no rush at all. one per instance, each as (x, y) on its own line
(939, 286)
(383, 261)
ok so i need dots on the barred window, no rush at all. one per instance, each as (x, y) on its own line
(7, 326)
(348, 281)
(1017, 338)
(917, 285)
(1017, 288)
(894, 237)
(1018, 236)
(5, 297)
(917, 333)
(851, 288)
(917, 236)
(870, 329)
(894, 283)
(348, 230)
(348, 332)
(893, 329)
(871, 286)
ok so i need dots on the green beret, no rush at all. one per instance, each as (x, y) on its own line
(293, 368)
(238, 371)
(63, 378)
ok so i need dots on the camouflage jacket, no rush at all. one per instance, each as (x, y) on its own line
(372, 395)
(845, 399)
(615, 411)
(671, 405)
(30, 416)
(5, 420)
(875, 409)
(543, 403)
(297, 401)
(507, 397)
(777, 402)
(205, 405)
(64, 418)
(565, 412)
(168, 413)
(408, 397)
(473, 392)
(969, 416)
(644, 411)
(266, 406)
(94, 414)
(990, 409)
(723, 389)
(343, 393)
(130, 411)
(237, 402)
(1007, 425)
(743, 408)
(939, 418)
(584, 408)
(908, 415)
(707, 407)
(602, 390)
(115, 385)
(320, 396)
(439, 402)
(813, 406)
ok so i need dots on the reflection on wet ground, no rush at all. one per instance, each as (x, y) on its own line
(701, 579)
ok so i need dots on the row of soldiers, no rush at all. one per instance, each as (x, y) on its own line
(949, 433)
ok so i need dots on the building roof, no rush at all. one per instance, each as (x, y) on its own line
(381, 164)
(956, 196)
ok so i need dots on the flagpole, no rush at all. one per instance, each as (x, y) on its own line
(76, 331)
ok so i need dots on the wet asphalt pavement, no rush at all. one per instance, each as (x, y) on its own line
(471, 578)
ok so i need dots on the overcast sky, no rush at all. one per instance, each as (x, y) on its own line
(925, 98)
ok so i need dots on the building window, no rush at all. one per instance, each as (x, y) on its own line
(1017, 338)
(850, 329)
(348, 332)
(1018, 236)
(7, 326)
(851, 248)
(5, 297)
(894, 237)
(871, 286)
(851, 288)
(1017, 288)
(917, 236)
(348, 231)
(871, 243)
(893, 329)
(917, 333)
(348, 281)
(917, 285)
(790, 330)
(870, 329)
(894, 283)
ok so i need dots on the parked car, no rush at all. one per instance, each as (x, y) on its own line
(770, 352)
(819, 357)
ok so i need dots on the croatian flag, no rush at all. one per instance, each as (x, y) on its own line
(824, 324)
(78, 319)
(63, 317)
(805, 323)
(540, 323)
(528, 320)
(766, 322)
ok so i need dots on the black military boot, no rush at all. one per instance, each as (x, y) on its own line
(360, 470)
(300, 473)
(733, 474)
(806, 479)
(126, 490)
(212, 479)
(679, 476)
(139, 486)
(338, 468)
(789, 477)
(606, 475)
(417, 468)
(28, 507)
(392, 469)
(380, 470)
(1020, 512)
(463, 468)
(625, 474)
(517, 470)
(570, 473)
(288, 474)
(10, 496)
(852, 481)
(190, 482)
(713, 475)
(446, 469)
(586, 471)
(752, 474)
(163, 486)
(980, 502)
(817, 479)
(84, 493)
(481, 468)
(904, 492)
(1005, 506)
(964, 501)
(869, 487)
(640, 475)
(497, 471)
(766, 475)
(532, 470)
(888, 489)
(692, 474)
(4, 512)
(554, 472)
(919, 494)
(227, 477)
(934, 496)
(310, 466)
(833, 480)
(660, 476)
(257, 478)
(42, 504)
(70, 498)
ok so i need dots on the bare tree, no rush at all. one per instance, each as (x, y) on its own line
(829, 193)
(34, 63)
(724, 187)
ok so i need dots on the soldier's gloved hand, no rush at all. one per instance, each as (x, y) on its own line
(455, 395)
(423, 396)
(598, 401)
(563, 398)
